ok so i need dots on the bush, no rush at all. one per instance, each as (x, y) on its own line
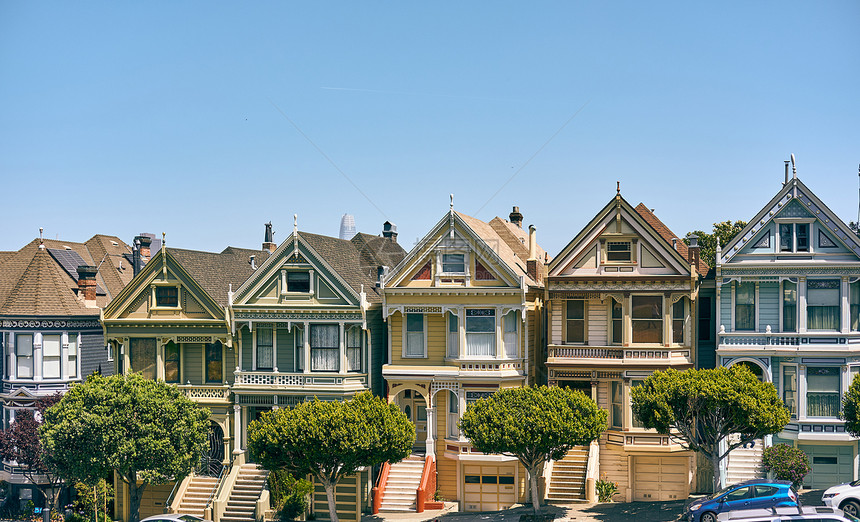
(289, 495)
(787, 463)
(605, 489)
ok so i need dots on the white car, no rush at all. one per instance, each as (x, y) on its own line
(845, 497)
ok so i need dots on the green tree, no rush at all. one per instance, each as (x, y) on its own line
(535, 424)
(143, 430)
(851, 409)
(699, 408)
(723, 232)
(331, 440)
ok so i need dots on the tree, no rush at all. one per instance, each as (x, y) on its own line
(699, 408)
(20, 443)
(535, 424)
(331, 440)
(851, 409)
(143, 430)
(723, 232)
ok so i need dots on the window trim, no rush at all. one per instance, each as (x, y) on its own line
(156, 285)
(405, 336)
(838, 300)
(685, 322)
(735, 286)
(793, 222)
(341, 341)
(610, 330)
(466, 260)
(662, 319)
(840, 388)
(584, 320)
(796, 390)
(496, 318)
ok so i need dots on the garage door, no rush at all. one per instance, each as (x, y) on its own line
(661, 478)
(489, 488)
(831, 465)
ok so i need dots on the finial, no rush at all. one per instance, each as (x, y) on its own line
(793, 167)
(618, 187)
(41, 229)
(295, 223)
(452, 201)
(163, 239)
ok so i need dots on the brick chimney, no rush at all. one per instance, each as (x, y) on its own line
(533, 265)
(87, 285)
(516, 217)
(145, 242)
(693, 250)
(389, 230)
(269, 239)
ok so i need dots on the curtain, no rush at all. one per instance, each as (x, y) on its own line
(481, 332)
(481, 344)
(453, 335)
(510, 329)
(143, 357)
(51, 353)
(325, 347)
(745, 306)
(264, 349)
(353, 349)
(822, 396)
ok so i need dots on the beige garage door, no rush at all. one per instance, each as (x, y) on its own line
(660, 478)
(489, 488)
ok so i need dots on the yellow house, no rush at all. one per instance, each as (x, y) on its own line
(463, 311)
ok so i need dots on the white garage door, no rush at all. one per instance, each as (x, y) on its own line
(661, 478)
(489, 488)
(831, 465)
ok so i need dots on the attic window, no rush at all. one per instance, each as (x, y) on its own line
(618, 251)
(482, 274)
(167, 296)
(298, 282)
(454, 263)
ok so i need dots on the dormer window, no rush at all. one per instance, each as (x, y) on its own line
(794, 237)
(454, 263)
(167, 296)
(299, 282)
(618, 251)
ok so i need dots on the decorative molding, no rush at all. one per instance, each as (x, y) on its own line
(48, 324)
(618, 286)
(732, 272)
(194, 339)
(298, 316)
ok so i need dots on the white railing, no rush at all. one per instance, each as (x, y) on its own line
(769, 339)
(586, 352)
(252, 378)
(193, 391)
(680, 355)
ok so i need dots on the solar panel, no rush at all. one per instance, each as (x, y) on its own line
(70, 261)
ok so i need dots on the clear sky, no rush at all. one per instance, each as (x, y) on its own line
(205, 120)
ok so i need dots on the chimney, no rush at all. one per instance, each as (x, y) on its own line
(693, 250)
(136, 263)
(87, 285)
(269, 239)
(381, 272)
(533, 265)
(252, 260)
(516, 217)
(145, 242)
(389, 230)
(786, 172)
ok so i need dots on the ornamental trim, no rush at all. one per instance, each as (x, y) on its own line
(356, 316)
(49, 324)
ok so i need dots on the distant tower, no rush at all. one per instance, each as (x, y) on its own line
(347, 227)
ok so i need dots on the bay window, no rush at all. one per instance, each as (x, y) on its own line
(171, 361)
(453, 335)
(823, 391)
(24, 353)
(575, 321)
(325, 347)
(299, 339)
(353, 348)
(510, 329)
(745, 306)
(822, 304)
(265, 347)
(143, 356)
(647, 318)
(52, 353)
(481, 332)
(414, 335)
(789, 306)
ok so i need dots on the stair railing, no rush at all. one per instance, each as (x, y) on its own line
(379, 489)
(591, 471)
(207, 508)
(177, 493)
(222, 496)
(427, 486)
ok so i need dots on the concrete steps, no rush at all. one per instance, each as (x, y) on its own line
(242, 503)
(403, 479)
(567, 483)
(197, 495)
(745, 463)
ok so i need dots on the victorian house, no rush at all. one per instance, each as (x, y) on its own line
(622, 304)
(51, 295)
(463, 313)
(788, 294)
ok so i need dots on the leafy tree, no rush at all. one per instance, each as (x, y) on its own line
(143, 430)
(20, 443)
(851, 409)
(786, 462)
(535, 424)
(723, 232)
(699, 408)
(331, 440)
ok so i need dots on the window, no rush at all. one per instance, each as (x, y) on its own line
(764, 491)
(822, 304)
(636, 422)
(786, 237)
(618, 251)
(24, 353)
(789, 388)
(678, 317)
(481, 332)
(300, 349)
(822, 391)
(265, 348)
(617, 322)
(854, 300)
(453, 335)
(325, 347)
(705, 327)
(575, 321)
(167, 296)
(299, 282)
(738, 494)
(51, 355)
(647, 319)
(789, 306)
(73, 356)
(510, 329)
(143, 356)
(616, 399)
(802, 230)
(353, 348)
(474, 396)
(453, 415)
(454, 263)
(414, 335)
(745, 306)
(794, 237)
(171, 362)
(214, 365)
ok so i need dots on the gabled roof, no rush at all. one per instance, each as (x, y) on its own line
(794, 189)
(668, 236)
(34, 283)
(216, 272)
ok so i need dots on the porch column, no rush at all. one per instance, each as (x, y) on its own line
(275, 347)
(237, 426)
(431, 425)
(307, 348)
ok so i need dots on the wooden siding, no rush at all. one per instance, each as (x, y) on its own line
(192, 362)
(286, 349)
(726, 304)
(768, 306)
(396, 330)
(93, 355)
(614, 467)
(436, 330)
(446, 478)
(597, 311)
(247, 350)
(555, 322)
(347, 495)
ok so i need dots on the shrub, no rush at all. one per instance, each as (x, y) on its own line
(289, 495)
(605, 489)
(787, 463)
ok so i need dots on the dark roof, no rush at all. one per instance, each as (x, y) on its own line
(668, 235)
(216, 272)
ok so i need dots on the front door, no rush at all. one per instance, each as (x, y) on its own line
(413, 405)
(212, 461)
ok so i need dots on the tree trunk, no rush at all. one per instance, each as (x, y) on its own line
(135, 494)
(715, 462)
(329, 493)
(533, 482)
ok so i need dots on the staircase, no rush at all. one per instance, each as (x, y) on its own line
(744, 463)
(403, 479)
(567, 483)
(197, 495)
(242, 504)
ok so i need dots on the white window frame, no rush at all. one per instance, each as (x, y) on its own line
(662, 319)
(31, 358)
(452, 339)
(797, 379)
(52, 359)
(495, 333)
(506, 337)
(794, 222)
(156, 285)
(406, 336)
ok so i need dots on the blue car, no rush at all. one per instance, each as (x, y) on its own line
(751, 494)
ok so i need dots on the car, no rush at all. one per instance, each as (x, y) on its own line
(174, 517)
(750, 494)
(844, 496)
(787, 514)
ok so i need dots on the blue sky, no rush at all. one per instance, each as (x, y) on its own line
(204, 120)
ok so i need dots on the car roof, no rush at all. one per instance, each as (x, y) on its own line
(756, 482)
(796, 513)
